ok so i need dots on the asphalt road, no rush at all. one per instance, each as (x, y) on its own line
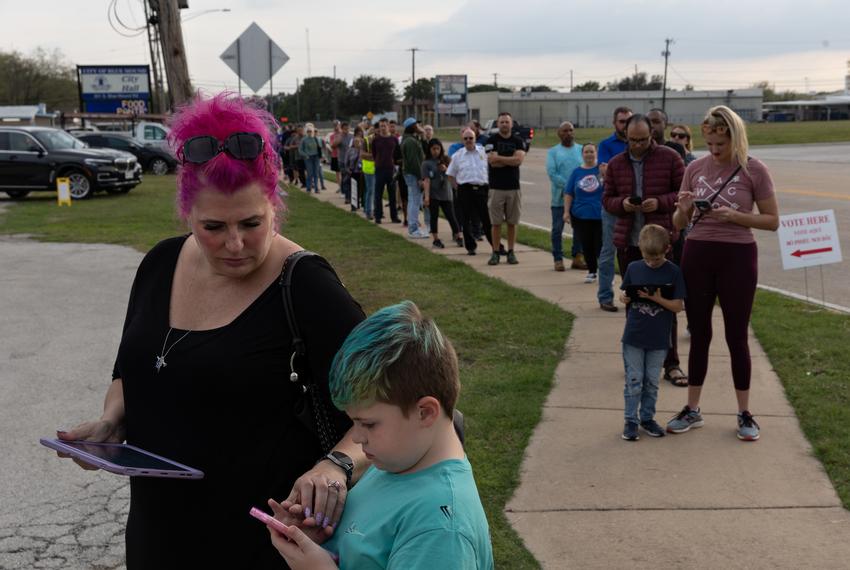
(807, 178)
(62, 308)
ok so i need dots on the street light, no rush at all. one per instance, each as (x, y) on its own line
(190, 17)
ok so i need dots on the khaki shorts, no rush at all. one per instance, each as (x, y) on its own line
(505, 206)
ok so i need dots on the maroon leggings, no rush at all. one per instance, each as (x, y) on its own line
(729, 272)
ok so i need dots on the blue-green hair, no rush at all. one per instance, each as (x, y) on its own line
(396, 356)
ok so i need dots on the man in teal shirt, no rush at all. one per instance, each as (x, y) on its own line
(561, 160)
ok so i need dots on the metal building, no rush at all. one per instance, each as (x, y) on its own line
(594, 109)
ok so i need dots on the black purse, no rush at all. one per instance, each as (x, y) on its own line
(312, 409)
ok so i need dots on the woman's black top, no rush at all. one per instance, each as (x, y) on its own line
(223, 404)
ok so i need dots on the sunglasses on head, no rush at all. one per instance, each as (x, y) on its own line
(241, 146)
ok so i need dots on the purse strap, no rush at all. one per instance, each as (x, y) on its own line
(715, 195)
(324, 429)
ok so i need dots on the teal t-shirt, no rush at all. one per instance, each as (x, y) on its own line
(425, 520)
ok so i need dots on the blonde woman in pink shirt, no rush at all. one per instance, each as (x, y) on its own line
(723, 197)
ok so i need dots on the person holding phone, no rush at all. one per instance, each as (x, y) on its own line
(202, 374)
(720, 260)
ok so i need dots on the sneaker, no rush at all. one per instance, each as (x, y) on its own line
(559, 265)
(590, 278)
(630, 432)
(494, 258)
(748, 429)
(404, 224)
(418, 235)
(378, 221)
(685, 420)
(502, 250)
(397, 221)
(512, 257)
(438, 244)
(470, 252)
(459, 241)
(608, 307)
(652, 428)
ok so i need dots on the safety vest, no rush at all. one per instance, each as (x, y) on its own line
(368, 165)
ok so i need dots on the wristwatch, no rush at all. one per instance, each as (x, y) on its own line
(342, 461)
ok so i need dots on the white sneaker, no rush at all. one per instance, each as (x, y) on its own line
(419, 235)
(590, 278)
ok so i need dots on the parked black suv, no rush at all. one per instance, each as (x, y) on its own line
(152, 158)
(32, 158)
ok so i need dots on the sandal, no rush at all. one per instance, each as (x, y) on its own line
(680, 380)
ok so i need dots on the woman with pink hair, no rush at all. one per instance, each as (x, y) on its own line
(202, 374)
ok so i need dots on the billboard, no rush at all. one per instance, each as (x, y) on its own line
(450, 92)
(124, 89)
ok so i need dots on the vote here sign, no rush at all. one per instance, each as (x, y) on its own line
(809, 238)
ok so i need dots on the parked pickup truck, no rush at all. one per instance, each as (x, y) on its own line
(525, 133)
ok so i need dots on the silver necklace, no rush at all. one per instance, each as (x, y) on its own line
(160, 360)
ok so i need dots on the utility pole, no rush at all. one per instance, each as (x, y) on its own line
(571, 81)
(413, 77)
(309, 70)
(333, 95)
(666, 54)
(157, 90)
(297, 101)
(174, 53)
(496, 80)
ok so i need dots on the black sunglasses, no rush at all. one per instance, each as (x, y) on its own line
(241, 146)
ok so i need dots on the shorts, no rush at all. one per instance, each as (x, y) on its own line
(505, 206)
(334, 164)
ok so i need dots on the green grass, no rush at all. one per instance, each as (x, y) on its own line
(807, 346)
(508, 341)
(758, 134)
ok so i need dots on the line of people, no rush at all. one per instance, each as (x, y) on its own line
(680, 230)
(475, 184)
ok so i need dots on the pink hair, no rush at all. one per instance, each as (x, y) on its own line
(220, 117)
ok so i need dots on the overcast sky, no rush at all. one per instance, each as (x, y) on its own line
(720, 44)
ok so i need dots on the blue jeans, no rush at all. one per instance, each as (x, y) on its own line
(605, 293)
(558, 232)
(369, 196)
(643, 368)
(414, 202)
(313, 173)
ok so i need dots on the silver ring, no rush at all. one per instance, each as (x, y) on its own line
(334, 485)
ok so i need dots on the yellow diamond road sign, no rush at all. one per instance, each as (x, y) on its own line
(254, 57)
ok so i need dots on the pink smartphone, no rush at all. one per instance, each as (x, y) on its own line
(268, 519)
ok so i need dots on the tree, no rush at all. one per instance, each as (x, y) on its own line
(771, 94)
(424, 90)
(43, 77)
(636, 82)
(539, 89)
(588, 86)
(484, 87)
(368, 93)
(320, 97)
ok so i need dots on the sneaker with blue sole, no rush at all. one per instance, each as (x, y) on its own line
(748, 428)
(685, 420)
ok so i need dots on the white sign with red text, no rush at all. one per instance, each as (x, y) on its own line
(809, 238)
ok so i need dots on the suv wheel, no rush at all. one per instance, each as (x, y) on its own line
(81, 187)
(17, 194)
(158, 166)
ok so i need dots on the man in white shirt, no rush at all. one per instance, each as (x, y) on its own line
(468, 174)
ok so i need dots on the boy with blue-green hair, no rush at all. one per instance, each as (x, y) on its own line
(417, 506)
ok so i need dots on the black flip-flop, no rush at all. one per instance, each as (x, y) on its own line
(679, 381)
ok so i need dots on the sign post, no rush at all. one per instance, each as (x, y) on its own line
(809, 239)
(450, 92)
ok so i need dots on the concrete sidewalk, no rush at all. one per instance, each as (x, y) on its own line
(587, 499)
